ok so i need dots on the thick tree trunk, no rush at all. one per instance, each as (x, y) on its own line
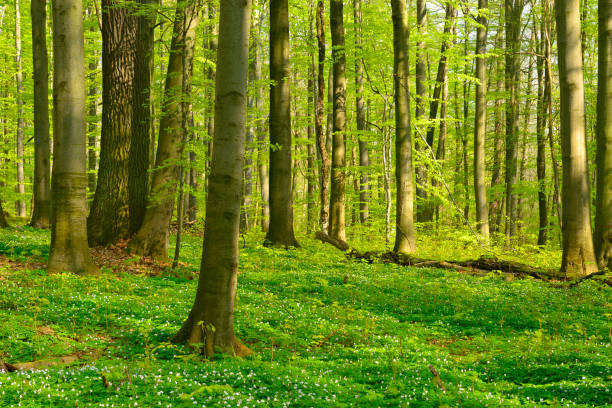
(20, 205)
(140, 140)
(109, 218)
(360, 108)
(152, 237)
(320, 112)
(603, 215)
(514, 9)
(578, 254)
(480, 123)
(280, 232)
(41, 211)
(337, 222)
(211, 320)
(69, 251)
(3, 221)
(404, 223)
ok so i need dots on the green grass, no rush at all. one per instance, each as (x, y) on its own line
(318, 340)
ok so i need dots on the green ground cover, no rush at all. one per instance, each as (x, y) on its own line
(326, 332)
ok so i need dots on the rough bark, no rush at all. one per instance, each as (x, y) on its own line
(404, 223)
(320, 112)
(360, 109)
(142, 122)
(152, 237)
(211, 320)
(20, 205)
(541, 142)
(280, 231)
(578, 254)
(41, 211)
(480, 124)
(108, 220)
(603, 215)
(69, 251)
(337, 210)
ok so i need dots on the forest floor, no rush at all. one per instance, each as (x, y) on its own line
(326, 332)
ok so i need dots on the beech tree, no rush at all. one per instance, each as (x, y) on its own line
(211, 319)
(578, 254)
(69, 251)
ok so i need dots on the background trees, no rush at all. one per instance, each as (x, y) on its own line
(489, 69)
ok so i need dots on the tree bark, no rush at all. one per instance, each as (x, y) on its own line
(360, 108)
(20, 205)
(603, 214)
(578, 254)
(541, 142)
(404, 230)
(311, 155)
(142, 123)
(152, 237)
(41, 211)
(109, 218)
(480, 123)
(514, 9)
(496, 206)
(320, 112)
(69, 251)
(280, 232)
(211, 320)
(337, 210)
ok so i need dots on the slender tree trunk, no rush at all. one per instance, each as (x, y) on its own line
(152, 237)
(360, 108)
(247, 187)
(20, 204)
(541, 140)
(320, 111)
(421, 102)
(261, 137)
(514, 9)
(140, 140)
(109, 217)
(603, 215)
(41, 212)
(69, 251)
(211, 319)
(311, 171)
(280, 232)
(3, 222)
(92, 132)
(404, 223)
(480, 123)
(337, 222)
(495, 208)
(441, 148)
(464, 141)
(578, 254)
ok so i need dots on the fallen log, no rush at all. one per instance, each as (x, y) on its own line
(479, 267)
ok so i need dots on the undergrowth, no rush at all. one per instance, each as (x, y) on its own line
(326, 332)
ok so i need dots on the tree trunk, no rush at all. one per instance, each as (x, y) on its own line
(603, 215)
(514, 9)
(360, 108)
(480, 123)
(109, 219)
(320, 111)
(69, 251)
(495, 208)
(311, 171)
(541, 142)
(41, 212)
(404, 222)
(92, 132)
(141, 130)
(3, 222)
(152, 237)
(421, 102)
(280, 232)
(20, 204)
(211, 320)
(578, 254)
(337, 222)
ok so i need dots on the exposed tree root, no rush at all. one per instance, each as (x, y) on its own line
(478, 267)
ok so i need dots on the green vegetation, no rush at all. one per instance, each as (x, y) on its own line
(326, 331)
